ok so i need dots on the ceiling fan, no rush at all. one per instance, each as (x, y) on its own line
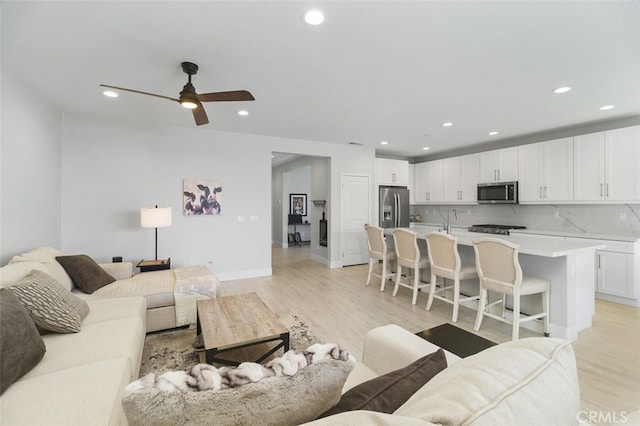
(192, 100)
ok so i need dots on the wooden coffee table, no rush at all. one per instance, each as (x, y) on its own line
(234, 322)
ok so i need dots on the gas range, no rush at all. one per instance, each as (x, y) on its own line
(494, 229)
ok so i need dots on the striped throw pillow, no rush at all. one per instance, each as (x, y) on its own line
(51, 306)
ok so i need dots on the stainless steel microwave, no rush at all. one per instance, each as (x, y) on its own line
(498, 193)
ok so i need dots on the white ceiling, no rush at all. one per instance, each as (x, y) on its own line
(385, 70)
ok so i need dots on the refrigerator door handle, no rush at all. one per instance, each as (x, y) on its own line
(399, 210)
(396, 203)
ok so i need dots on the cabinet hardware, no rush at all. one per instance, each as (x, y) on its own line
(498, 174)
(545, 192)
(601, 190)
(607, 189)
(540, 190)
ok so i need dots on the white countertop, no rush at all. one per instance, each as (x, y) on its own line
(529, 244)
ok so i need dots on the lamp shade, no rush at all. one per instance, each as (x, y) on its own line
(154, 217)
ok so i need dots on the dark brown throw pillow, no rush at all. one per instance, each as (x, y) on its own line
(385, 394)
(85, 273)
(21, 347)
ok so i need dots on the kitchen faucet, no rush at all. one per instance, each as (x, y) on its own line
(449, 219)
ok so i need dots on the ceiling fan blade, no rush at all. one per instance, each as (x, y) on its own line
(234, 95)
(200, 115)
(139, 92)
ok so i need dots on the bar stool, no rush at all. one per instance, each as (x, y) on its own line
(445, 263)
(378, 252)
(500, 271)
(408, 255)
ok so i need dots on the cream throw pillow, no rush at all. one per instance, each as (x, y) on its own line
(530, 381)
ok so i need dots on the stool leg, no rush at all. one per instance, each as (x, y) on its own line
(456, 299)
(432, 290)
(516, 317)
(398, 276)
(545, 307)
(370, 270)
(383, 278)
(481, 304)
(416, 278)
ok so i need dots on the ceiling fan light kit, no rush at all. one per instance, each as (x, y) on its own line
(190, 99)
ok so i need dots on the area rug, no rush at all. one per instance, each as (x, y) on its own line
(173, 349)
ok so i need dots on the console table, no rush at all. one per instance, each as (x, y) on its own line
(297, 240)
(154, 265)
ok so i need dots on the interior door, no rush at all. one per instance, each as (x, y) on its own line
(355, 202)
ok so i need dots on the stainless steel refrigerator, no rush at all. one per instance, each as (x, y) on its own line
(394, 207)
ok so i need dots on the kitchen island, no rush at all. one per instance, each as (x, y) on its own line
(569, 266)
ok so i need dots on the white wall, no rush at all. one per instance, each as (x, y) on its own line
(112, 168)
(30, 177)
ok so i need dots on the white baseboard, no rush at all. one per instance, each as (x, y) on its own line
(239, 275)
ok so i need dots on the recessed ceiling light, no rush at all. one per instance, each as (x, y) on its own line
(425, 148)
(384, 143)
(243, 112)
(563, 89)
(313, 17)
(493, 133)
(447, 124)
(110, 94)
(606, 107)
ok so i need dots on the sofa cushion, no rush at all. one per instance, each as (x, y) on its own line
(109, 309)
(118, 338)
(528, 381)
(389, 391)
(283, 400)
(86, 394)
(156, 287)
(50, 305)
(14, 272)
(86, 274)
(21, 347)
(46, 256)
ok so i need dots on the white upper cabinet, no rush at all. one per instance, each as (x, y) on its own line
(412, 183)
(622, 167)
(607, 165)
(546, 171)
(428, 182)
(392, 172)
(500, 165)
(460, 179)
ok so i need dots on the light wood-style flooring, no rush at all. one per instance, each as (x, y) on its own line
(340, 308)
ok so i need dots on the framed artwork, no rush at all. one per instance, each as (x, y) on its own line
(201, 197)
(298, 204)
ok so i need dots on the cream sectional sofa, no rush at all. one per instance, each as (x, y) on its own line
(530, 381)
(170, 302)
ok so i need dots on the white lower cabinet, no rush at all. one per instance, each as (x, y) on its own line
(617, 271)
(615, 274)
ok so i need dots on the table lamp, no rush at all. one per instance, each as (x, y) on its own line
(151, 217)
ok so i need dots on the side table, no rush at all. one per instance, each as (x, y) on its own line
(154, 265)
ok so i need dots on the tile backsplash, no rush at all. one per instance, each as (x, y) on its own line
(592, 219)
